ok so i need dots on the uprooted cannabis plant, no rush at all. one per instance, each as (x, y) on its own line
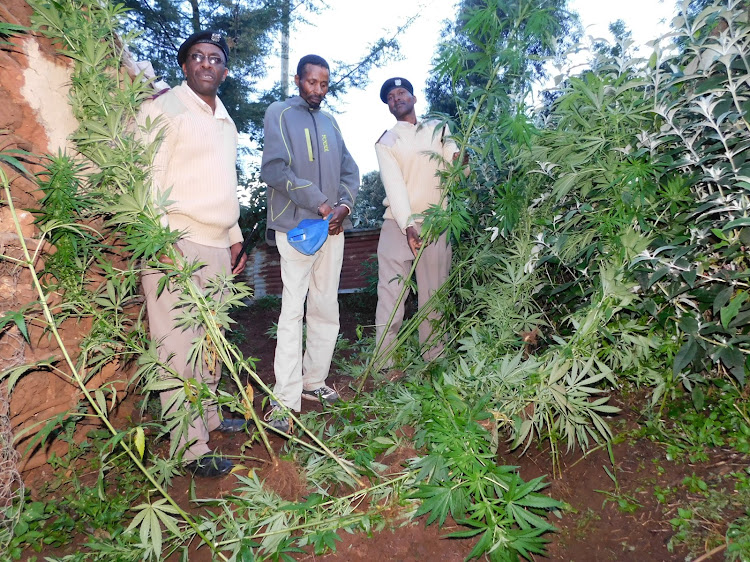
(98, 214)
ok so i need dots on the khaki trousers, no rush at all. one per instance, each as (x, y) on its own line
(175, 343)
(395, 260)
(314, 279)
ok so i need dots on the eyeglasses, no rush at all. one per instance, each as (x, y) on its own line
(213, 60)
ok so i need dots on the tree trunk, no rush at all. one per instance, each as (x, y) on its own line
(285, 9)
(196, 18)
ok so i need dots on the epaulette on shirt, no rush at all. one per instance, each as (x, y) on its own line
(159, 93)
(388, 138)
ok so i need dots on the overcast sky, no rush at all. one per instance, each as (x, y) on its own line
(344, 31)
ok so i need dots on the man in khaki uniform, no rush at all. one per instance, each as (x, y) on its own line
(195, 162)
(409, 170)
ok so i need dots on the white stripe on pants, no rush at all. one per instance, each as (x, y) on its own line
(175, 343)
(315, 279)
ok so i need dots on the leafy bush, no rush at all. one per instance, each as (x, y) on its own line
(609, 235)
(368, 209)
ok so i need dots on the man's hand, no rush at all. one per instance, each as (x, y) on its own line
(414, 240)
(466, 158)
(336, 224)
(235, 250)
(324, 210)
(166, 260)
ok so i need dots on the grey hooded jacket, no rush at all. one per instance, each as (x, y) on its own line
(305, 164)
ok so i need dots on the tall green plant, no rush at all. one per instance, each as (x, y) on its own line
(495, 299)
(630, 204)
(534, 32)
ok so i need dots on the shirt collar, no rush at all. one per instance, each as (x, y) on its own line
(407, 125)
(300, 101)
(221, 111)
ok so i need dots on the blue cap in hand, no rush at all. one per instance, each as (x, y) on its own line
(308, 236)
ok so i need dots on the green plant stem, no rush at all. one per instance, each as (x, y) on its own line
(334, 523)
(710, 554)
(351, 497)
(588, 452)
(224, 348)
(79, 380)
(401, 338)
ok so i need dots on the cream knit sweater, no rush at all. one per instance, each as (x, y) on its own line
(409, 169)
(196, 162)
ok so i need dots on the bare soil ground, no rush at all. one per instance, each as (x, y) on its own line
(595, 527)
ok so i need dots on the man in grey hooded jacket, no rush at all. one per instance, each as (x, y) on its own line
(310, 174)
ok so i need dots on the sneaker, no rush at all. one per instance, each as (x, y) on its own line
(322, 394)
(276, 418)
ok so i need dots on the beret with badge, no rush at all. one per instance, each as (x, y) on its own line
(392, 83)
(208, 36)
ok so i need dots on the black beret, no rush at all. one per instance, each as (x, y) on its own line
(208, 36)
(391, 83)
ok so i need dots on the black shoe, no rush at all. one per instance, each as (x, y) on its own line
(210, 466)
(229, 425)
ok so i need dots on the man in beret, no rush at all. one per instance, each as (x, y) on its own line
(410, 156)
(310, 174)
(194, 169)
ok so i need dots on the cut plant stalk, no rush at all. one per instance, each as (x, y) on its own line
(228, 354)
(361, 494)
(93, 402)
